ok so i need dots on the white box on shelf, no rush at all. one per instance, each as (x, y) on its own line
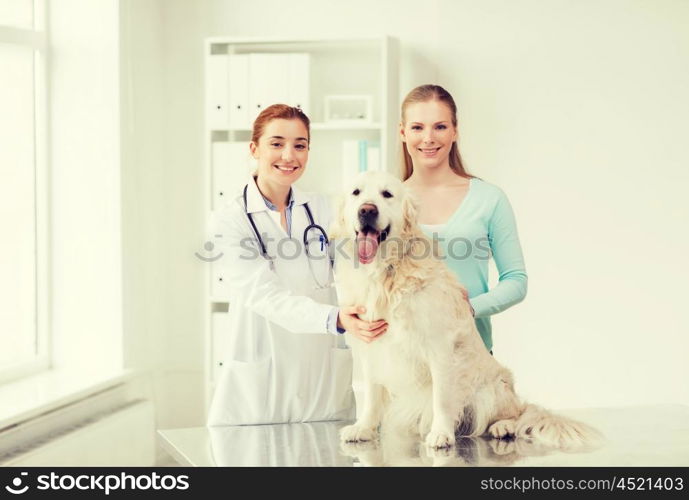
(348, 109)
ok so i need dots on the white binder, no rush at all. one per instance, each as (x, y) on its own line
(217, 92)
(221, 161)
(268, 74)
(219, 286)
(220, 327)
(231, 163)
(350, 161)
(298, 81)
(373, 157)
(239, 91)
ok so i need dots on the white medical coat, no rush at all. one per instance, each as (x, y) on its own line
(282, 365)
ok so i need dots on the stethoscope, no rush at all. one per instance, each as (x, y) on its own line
(323, 241)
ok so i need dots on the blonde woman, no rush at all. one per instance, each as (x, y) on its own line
(472, 219)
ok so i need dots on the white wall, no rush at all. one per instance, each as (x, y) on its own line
(163, 217)
(579, 110)
(574, 108)
(85, 197)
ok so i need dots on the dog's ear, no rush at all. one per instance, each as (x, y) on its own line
(337, 227)
(410, 211)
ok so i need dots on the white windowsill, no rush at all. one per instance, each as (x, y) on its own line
(27, 398)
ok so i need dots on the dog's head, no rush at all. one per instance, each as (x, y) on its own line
(376, 207)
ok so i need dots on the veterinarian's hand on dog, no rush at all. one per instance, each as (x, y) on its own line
(368, 331)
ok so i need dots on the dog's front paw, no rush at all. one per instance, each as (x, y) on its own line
(437, 439)
(502, 429)
(357, 433)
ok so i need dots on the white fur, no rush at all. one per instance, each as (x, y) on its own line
(430, 373)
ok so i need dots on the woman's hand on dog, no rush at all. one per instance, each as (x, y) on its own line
(368, 331)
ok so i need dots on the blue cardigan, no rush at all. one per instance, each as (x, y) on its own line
(483, 226)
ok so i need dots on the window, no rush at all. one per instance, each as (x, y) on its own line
(23, 285)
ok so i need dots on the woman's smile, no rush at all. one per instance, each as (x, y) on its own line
(429, 152)
(287, 169)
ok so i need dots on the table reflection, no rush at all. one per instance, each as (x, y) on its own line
(409, 451)
(310, 444)
(317, 444)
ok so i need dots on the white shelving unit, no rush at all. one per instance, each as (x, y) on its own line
(334, 67)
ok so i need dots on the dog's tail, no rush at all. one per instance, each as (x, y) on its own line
(553, 430)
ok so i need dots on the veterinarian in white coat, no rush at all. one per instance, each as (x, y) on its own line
(286, 361)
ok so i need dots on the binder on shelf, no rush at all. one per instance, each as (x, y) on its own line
(238, 70)
(240, 86)
(231, 164)
(220, 329)
(299, 71)
(359, 156)
(267, 76)
(373, 156)
(217, 92)
(350, 161)
(363, 156)
(219, 286)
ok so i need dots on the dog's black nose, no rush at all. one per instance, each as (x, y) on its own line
(368, 214)
(368, 211)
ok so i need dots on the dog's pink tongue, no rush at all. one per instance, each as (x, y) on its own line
(368, 246)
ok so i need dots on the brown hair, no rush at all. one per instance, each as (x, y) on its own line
(425, 93)
(278, 111)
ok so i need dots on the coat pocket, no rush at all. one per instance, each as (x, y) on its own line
(242, 396)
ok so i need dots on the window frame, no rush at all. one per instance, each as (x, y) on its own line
(36, 38)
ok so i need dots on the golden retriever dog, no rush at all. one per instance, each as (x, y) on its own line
(430, 373)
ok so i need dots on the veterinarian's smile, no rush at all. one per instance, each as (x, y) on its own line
(287, 169)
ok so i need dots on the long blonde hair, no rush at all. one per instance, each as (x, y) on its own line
(425, 93)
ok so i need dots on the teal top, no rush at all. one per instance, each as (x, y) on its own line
(483, 226)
